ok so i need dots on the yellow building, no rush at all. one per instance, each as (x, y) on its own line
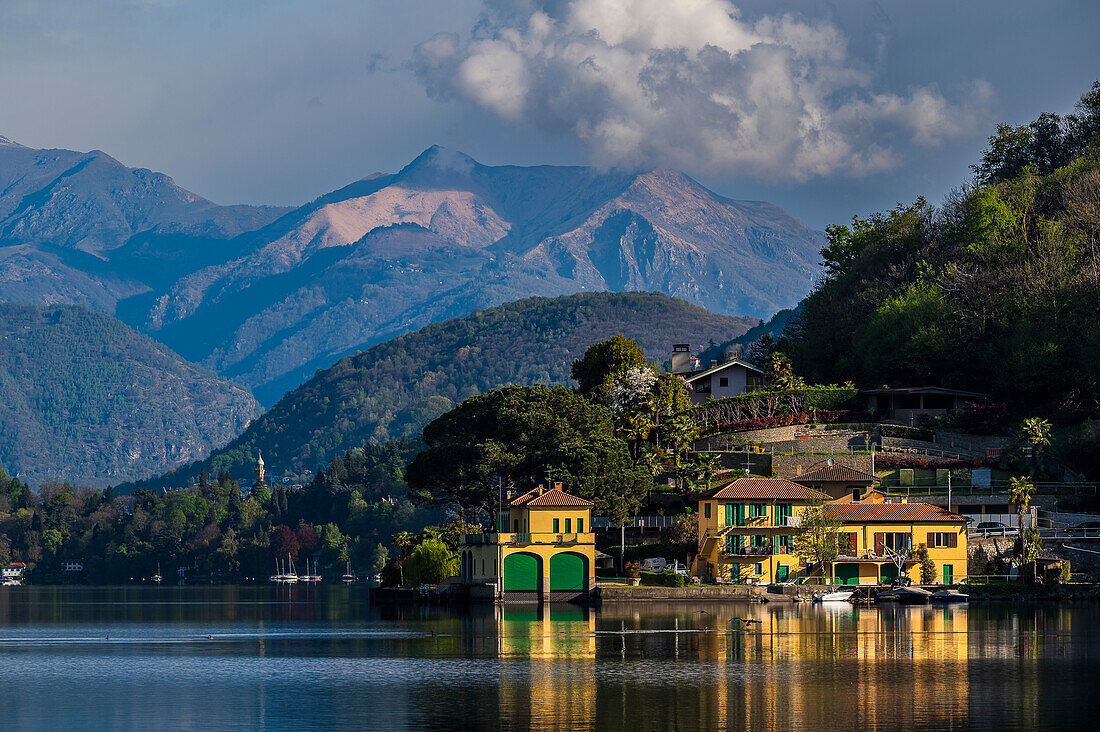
(876, 530)
(549, 554)
(746, 532)
(746, 529)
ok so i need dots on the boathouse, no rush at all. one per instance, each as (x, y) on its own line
(545, 551)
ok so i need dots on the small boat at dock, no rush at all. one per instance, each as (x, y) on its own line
(950, 595)
(835, 596)
(904, 595)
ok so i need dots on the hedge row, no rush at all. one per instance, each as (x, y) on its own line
(785, 420)
(816, 397)
(907, 433)
(663, 579)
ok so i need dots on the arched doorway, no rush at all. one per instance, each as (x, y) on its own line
(522, 572)
(568, 572)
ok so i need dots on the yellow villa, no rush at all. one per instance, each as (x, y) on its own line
(746, 529)
(549, 553)
(875, 531)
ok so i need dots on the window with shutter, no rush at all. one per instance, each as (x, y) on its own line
(880, 542)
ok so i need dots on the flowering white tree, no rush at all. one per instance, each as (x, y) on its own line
(632, 388)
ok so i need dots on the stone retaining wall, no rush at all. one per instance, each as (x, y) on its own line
(744, 593)
(792, 466)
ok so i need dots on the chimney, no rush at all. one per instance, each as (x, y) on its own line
(681, 358)
(713, 363)
(557, 486)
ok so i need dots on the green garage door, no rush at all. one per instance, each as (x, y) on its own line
(567, 572)
(521, 573)
(887, 573)
(847, 573)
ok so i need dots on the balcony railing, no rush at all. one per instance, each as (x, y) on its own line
(748, 551)
(516, 539)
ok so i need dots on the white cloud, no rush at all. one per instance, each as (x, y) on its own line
(690, 84)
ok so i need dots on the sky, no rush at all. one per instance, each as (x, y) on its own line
(828, 109)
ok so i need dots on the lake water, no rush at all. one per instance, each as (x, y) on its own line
(293, 658)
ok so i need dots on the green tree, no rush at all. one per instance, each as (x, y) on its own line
(603, 364)
(1031, 548)
(779, 372)
(430, 562)
(378, 558)
(816, 541)
(927, 566)
(1036, 432)
(513, 435)
(51, 541)
(1019, 491)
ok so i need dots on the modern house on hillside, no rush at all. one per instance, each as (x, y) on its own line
(718, 380)
(545, 550)
(909, 404)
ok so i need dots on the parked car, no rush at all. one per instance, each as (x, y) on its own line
(990, 525)
(654, 564)
(678, 568)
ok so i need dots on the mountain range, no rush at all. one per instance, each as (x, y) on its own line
(393, 389)
(267, 295)
(83, 398)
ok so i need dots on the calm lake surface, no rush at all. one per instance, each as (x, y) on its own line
(294, 658)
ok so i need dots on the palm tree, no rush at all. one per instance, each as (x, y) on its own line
(1036, 432)
(1020, 490)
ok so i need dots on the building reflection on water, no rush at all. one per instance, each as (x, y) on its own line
(795, 666)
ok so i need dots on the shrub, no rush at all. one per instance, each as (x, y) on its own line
(663, 579)
(430, 562)
(906, 433)
(786, 420)
(633, 570)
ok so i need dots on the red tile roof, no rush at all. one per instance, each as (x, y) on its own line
(835, 474)
(767, 489)
(865, 513)
(540, 498)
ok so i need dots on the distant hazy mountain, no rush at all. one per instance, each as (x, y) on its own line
(74, 227)
(84, 398)
(393, 389)
(378, 258)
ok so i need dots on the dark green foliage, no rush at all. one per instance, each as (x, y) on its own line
(515, 435)
(663, 579)
(83, 398)
(602, 363)
(997, 292)
(397, 387)
(346, 514)
(1046, 144)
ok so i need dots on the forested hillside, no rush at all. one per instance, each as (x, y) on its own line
(396, 387)
(997, 291)
(85, 399)
(349, 514)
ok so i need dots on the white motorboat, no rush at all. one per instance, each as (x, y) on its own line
(835, 596)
